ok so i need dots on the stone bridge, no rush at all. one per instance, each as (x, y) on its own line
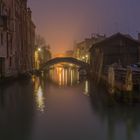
(71, 60)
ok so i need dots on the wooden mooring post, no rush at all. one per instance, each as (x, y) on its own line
(129, 80)
(125, 85)
(111, 80)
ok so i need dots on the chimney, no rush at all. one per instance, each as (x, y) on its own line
(139, 36)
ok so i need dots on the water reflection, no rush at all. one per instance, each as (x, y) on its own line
(64, 76)
(16, 110)
(39, 94)
(69, 115)
(86, 87)
(122, 120)
(40, 99)
(68, 76)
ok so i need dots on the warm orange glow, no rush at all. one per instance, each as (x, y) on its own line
(64, 76)
(60, 77)
(71, 77)
(59, 55)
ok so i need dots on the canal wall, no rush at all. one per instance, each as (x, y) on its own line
(5, 80)
(117, 78)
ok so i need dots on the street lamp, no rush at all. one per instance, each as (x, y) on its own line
(83, 58)
(87, 56)
(39, 49)
(37, 58)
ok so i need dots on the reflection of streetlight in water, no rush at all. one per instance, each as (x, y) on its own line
(62, 73)
(64, 76)
(60, 76)
(40, 99)
(86, 88)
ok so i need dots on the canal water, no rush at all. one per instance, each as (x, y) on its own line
(64, 106)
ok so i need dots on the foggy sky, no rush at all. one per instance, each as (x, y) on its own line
(61, 22)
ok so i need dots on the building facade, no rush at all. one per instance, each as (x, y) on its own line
(121, 50)
(17, 37)
(81, 49)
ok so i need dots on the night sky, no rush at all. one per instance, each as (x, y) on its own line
(61, 22)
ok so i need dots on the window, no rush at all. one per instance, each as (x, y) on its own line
(10, 62)
(1, 38)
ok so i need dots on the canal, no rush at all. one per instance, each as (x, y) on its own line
(64, 106)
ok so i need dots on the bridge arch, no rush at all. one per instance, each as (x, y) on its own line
(72, 60)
